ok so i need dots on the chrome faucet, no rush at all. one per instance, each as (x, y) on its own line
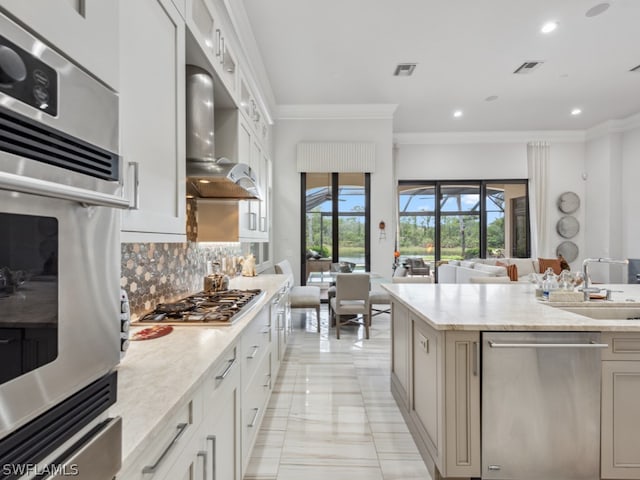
(587, 289)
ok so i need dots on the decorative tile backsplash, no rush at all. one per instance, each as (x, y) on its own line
(154, 273)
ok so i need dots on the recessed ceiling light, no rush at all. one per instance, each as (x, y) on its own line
(404, 69)
(457, 113)
(598, 9)
(576, 111)
(549, 27)
(491, 98)
(202, 180)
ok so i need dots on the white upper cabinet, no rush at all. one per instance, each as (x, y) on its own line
(86, 31)
(206, 26)
(152, 119)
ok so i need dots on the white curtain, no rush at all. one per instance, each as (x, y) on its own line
(538, 154)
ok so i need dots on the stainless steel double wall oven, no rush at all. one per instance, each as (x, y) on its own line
(59, 263)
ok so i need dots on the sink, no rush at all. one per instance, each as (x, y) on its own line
(605, 312)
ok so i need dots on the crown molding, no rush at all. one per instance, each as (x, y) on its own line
(448, 138)
(363, 111)
(614, 126)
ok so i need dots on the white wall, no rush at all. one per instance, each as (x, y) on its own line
(631, 193)
(286, 191)
(462, 161)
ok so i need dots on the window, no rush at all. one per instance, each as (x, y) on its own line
(335, 226)
(463, 219)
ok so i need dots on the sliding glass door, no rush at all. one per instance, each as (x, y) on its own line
(463, 219)
(335, 224)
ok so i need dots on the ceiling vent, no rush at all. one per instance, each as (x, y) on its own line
(635, 69)
(404, 69)
(527, 67)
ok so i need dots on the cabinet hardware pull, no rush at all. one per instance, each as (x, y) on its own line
(218, 40)
(252, 221)
(226, 370)
(223, 49)
(268, 384)
(266, 330)
(255, 351)
(202, 454)
(16, 183)
(548, 345)
(5, 341)
(254, 419)
(476, 358)
(181, 427)
(136, 185)
(212, 438)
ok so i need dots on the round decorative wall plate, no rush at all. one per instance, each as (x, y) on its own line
(568, 226)
(568, 202)
(568, 250)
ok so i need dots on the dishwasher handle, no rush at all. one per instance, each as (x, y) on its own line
(548, 345)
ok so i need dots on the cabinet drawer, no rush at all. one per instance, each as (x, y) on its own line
(223, 371)
(622, 346)
(254, 402)
(176, 430)
(256, 341)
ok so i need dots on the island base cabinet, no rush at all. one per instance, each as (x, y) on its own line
(400, 352)
(435, 379)
(620, 428)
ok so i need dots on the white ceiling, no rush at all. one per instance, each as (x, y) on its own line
(345, 51)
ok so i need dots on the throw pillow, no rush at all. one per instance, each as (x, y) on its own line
(554, 263)
(512, 270)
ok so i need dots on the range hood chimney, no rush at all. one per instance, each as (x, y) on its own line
(208, 177)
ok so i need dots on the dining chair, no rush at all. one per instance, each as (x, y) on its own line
(352, 299)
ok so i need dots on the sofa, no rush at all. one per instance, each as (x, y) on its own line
(462, 271)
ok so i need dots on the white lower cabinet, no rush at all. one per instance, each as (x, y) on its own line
(220, 443)
(257, 349)
(171, 446)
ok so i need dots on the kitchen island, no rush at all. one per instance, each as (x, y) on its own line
(175, 391)
(439, 341)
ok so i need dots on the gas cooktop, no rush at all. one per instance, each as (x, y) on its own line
(203, 308)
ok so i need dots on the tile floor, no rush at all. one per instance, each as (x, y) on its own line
(331, 414)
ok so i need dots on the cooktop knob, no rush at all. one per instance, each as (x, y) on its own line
(12, 68)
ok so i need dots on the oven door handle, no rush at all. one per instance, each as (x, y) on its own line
(99, 457)
(44, 188)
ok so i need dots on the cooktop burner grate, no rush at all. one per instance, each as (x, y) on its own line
(222, 308)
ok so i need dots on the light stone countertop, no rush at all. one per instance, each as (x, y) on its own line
(156, 376)
(505, 307)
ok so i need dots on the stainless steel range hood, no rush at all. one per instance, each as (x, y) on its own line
(221, 179)
(208, 177)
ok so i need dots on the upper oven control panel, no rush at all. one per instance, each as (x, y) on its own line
(27, 78)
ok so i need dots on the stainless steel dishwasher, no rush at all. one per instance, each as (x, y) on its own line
(541, 405)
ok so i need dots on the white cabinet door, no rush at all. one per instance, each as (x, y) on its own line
(86, 31)
(246, 215)
(426, 381)
(152, 117)
(222, 430)
(265, 187)
(620, 450)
